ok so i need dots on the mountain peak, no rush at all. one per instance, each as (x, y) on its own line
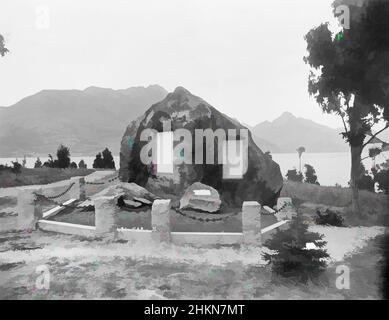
(289, 132)
(287, 115)
(181, 91)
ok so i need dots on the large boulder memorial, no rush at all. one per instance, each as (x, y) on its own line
(182, 140)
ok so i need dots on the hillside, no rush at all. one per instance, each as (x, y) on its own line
(288, 132)
(85, 120)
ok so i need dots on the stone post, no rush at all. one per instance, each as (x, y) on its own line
(251, 223)
(78, 190)
(82, 189)
(28, 209)
(106, 216)
(160, 220)
(288, 211)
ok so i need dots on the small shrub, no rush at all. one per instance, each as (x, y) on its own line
(310, 175)
(82, 164)
(366, 182)
(330, 218)
(104, 160)
(63, 155)
(73, 165)
(293, 175)
(38, 163)
(292, 260)
(17, 167)
(381, 176)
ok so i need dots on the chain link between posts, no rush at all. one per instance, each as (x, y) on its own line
(218, 219)
(59, 195)
(103, 182)
(51, 198)
(205, 219)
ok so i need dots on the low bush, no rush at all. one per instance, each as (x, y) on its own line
(329, 218)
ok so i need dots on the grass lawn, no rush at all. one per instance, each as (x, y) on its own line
(81, 268)
(308, 197)
(39, 176)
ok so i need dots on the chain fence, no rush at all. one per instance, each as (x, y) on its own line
(103, 182)
(202, 219)
(205, 219)
(41, 197)
(50, 199)
(61, 194)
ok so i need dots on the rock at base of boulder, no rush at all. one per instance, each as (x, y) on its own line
(132, 204)
(201, 197)
(143, 201)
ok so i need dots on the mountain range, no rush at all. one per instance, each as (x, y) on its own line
(89, 120)
(85, 120)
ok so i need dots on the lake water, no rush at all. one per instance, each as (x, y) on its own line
(331, 168)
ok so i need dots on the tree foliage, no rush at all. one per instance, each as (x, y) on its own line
(62, 161)
(109, 163)
(310, 175)
(38, 163)
(3, 49)
(17, 167)
(82, 164)
(73, 165)
(63, 156)
(349, 76)
(293, 175)
(104, 160)
(381, 176)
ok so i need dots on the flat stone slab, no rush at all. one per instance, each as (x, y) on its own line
(131, 203)
(142, 200)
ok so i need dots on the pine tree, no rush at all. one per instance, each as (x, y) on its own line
(310, 174)
(98, 162)
(292, 259)
(82, 164)
(108, 161)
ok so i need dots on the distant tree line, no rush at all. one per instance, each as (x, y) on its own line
(377, 177)
(103, 160)
(309, 175)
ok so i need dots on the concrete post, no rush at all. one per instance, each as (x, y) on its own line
(78, 190)
(160, 220)
(251, 223)
(28, 209)
(106, 216)
(82, 189)
(288, 211)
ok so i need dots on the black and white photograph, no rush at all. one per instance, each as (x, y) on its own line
(199, 150)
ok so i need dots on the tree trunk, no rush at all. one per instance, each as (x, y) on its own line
(300, 163)
(355, 176)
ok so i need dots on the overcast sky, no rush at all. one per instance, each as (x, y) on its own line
(244, 57)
